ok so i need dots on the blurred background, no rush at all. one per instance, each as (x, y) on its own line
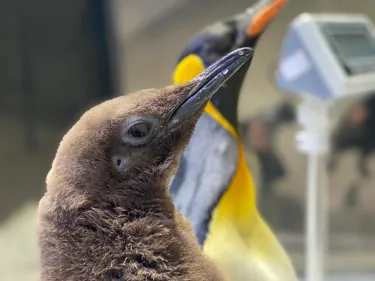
(58, 58)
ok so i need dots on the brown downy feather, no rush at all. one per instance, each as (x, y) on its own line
(101, 222)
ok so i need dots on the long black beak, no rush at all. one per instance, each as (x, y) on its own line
(209, 82)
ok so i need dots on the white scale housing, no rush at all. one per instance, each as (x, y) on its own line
(329, 56)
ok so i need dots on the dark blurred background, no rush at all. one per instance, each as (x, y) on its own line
(58, 58)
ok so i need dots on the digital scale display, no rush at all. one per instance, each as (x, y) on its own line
(353, 46)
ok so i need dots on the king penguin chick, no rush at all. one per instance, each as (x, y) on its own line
(107, 213)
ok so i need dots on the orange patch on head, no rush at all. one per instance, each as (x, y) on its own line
(263, 17)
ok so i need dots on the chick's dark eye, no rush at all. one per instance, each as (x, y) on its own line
(139, 130)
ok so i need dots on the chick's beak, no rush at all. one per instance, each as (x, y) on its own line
(208, 83)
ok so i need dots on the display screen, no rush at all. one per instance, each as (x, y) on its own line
(355, 45)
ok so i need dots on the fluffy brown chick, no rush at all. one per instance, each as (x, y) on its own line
(107, 213)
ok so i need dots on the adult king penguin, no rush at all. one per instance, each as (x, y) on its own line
(213, 187)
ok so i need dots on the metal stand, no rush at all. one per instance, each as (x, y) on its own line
(316, 220)
(313, 141)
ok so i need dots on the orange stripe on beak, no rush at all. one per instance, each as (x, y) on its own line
(263, 17)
